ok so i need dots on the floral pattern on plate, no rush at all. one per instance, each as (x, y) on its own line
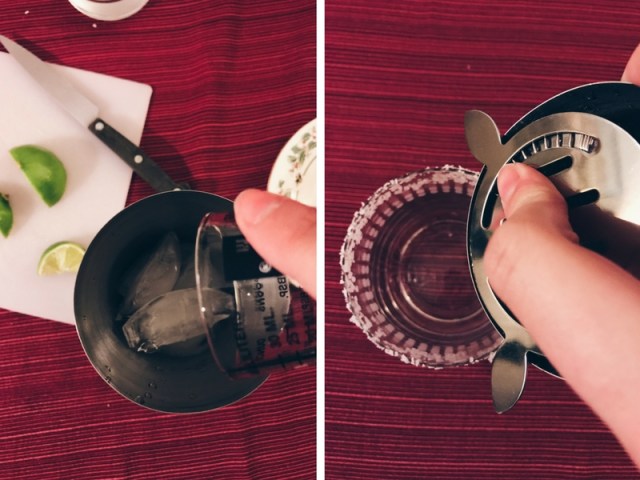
(294, 171)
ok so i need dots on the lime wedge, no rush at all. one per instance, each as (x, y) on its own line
(6, 215)
(44, 170)
(61, 257)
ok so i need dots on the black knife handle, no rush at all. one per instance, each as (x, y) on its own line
(133, 155)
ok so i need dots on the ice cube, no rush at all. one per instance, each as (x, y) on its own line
(187, 278)
(174, 318)
(156, 276)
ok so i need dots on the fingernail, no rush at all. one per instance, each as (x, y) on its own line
(508, 180)
(255, 205)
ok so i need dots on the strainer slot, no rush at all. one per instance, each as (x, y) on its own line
(556, 166)
(583, 198)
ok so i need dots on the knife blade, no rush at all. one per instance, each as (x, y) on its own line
(84, 111)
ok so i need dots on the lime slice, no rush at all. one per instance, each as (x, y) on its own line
(6, 215)
(61, 257)
(44, 170)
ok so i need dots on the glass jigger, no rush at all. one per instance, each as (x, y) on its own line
(273, 323)
(108, 10)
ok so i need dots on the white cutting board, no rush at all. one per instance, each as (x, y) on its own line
(97, 179)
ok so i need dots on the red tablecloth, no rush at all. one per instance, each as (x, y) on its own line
(233, 80)
(399, 77)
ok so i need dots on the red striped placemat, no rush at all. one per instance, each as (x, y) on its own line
(399, 77)
(232, 82)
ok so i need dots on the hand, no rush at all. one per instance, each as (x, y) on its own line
(282, 231)
(582, 309)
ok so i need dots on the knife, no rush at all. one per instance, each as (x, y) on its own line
(84, 111)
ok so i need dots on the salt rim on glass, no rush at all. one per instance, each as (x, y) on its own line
(405, 272)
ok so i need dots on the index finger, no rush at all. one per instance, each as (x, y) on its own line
(632, 70)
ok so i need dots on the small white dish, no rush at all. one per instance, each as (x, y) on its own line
(294, 171)
(108, 10)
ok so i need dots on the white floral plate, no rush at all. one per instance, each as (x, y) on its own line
(294, 171)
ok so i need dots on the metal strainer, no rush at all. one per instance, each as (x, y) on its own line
(586, 141)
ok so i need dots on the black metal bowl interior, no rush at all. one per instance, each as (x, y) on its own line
(157, 381)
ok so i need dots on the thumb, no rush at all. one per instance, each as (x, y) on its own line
(282, 231)
(581, 309)
(537, 221)
(527, 195)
